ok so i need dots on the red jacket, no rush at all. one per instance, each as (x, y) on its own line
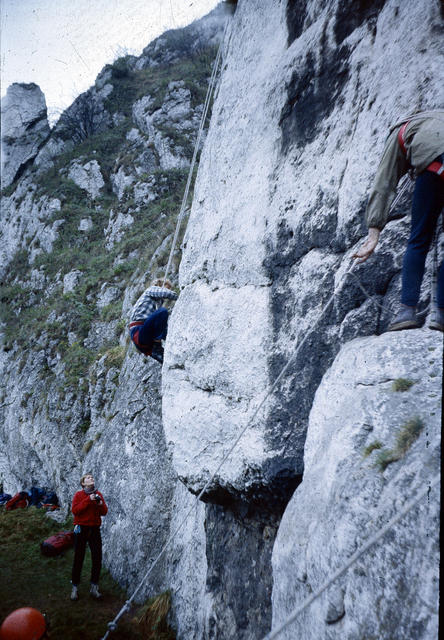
(87, 511)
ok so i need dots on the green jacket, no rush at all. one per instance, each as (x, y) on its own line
(424, 141)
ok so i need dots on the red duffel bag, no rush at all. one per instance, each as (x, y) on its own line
(19, 501)
(57, 543)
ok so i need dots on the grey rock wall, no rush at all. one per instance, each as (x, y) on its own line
(347, 495)
(56, 423)
(24, 129)
(307, 94)
(124, 446)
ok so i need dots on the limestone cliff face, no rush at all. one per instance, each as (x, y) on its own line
(86, 219)
(298, 126)
(306, 97)
(373, 442)
(307, 92)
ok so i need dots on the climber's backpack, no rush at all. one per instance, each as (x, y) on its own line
(36, 496)
(57, 543)
(436, 166)
(4, 498)
(50, 501)
(19, 501)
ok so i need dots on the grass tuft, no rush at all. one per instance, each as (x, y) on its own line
(402, 384)
(87, 446)
(115, 356)
(407, 435)
(377, 444)
(153, 618)
(386, 457)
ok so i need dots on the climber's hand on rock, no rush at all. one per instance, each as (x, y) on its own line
(366, 250)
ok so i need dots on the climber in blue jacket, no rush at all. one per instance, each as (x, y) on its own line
(148, 324)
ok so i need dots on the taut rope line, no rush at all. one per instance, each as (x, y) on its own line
(353, 558)
(113, 625)
(182, 210)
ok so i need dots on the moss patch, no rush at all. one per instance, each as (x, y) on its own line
(377, 444)
(402, 384)
(405, 437)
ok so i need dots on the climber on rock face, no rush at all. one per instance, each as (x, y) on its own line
(416, 143)
(149, 323)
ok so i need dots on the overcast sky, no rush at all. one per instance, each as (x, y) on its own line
(61, 45)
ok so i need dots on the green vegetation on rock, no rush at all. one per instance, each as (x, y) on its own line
(405, 437)
(66, 325)
(402, 384)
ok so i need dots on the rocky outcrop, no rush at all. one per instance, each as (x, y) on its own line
(84, 226)
(277, 211)
(306, 95)
(373, 442)
(290, 202)
(24, 129)
(87, 177)
(29, 223)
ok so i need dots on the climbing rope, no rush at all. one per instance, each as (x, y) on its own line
(113, 625)
(353, 558)
(211, 85)
(434, 283)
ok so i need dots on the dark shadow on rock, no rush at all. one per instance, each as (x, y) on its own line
(239, 579)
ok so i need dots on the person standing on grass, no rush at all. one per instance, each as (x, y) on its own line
(88, 505)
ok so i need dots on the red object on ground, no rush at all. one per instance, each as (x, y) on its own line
(19, 501)
(50, 507)
(23, 624)
(57, 543)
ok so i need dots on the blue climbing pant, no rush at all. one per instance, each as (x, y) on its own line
(428, 201)
(155, 327)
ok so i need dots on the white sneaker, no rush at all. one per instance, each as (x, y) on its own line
(94, 591)
(74, 593)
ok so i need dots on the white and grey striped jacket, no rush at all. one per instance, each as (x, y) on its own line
(149, 301)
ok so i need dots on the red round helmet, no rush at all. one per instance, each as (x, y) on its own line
(23, 624)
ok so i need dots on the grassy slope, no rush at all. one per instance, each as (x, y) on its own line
(48, 317)
(153, 221)
(30, 579)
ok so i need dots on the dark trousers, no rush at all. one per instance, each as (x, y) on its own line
(155, 326)
(428, 201)
(91, 536)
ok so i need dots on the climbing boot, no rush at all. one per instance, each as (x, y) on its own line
(74, 593)
(437, 320)
(157, 351)
(94, 591)
(405, 319)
